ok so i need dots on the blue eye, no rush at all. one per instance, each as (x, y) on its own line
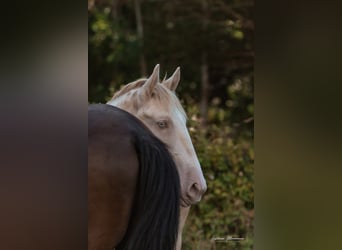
(162, 124)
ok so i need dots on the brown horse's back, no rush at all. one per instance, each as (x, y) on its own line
(133, 184)
(111, 178)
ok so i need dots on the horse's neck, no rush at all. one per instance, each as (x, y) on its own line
(120, 104)
(117, 102)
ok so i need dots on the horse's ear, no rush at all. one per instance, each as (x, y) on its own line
(173, 81)
(151, 81)
(165, 77)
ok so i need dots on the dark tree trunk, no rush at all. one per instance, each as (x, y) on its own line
(204, 88)
(204, 70)
(140, 33)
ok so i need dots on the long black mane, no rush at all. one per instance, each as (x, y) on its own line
(155, 213)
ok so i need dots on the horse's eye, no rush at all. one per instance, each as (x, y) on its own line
(162, 124)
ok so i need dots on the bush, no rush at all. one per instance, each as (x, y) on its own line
(226, 154)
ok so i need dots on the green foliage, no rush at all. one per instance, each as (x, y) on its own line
(113, 47)
(226, 154)
(176, 33)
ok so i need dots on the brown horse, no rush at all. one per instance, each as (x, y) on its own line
(133, 184)
(157, 106)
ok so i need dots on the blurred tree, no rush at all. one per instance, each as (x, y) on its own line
(140, 32)
(211, 40)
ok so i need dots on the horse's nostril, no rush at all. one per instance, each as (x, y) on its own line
(196, 191)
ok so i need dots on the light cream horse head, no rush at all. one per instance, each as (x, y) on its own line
(157, 106)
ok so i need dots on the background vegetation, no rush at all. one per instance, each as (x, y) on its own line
(212, 41)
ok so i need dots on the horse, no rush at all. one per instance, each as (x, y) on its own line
(157, 106)
(133, 184)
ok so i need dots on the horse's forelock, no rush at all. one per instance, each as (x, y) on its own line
(168, 96)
